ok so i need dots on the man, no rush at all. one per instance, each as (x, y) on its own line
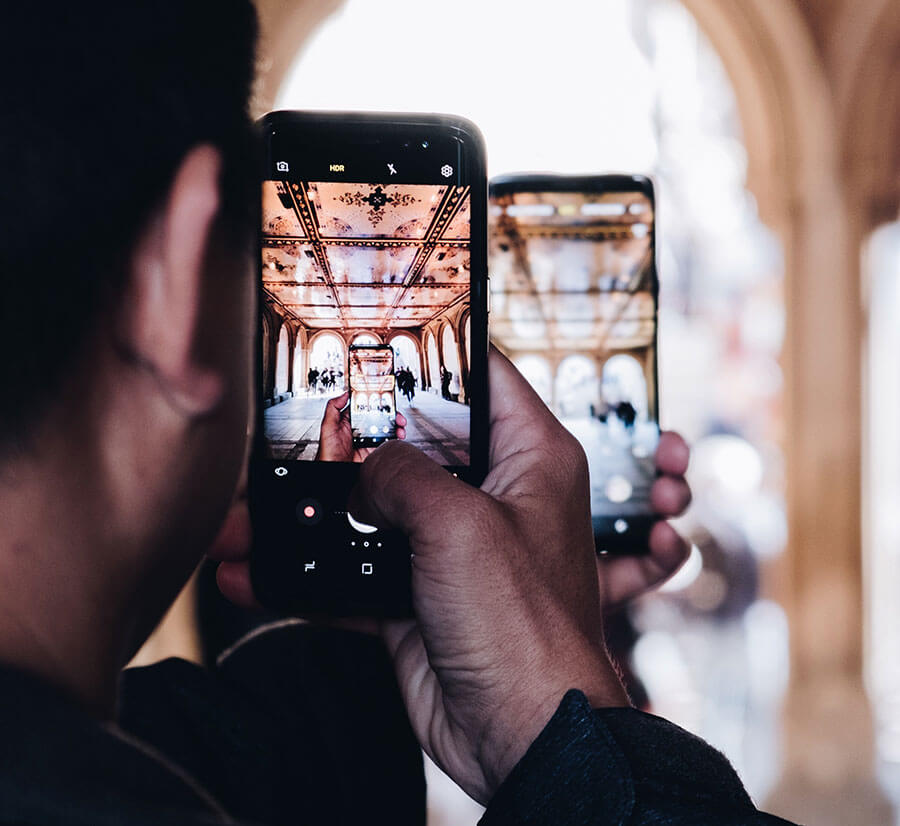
(128, 318)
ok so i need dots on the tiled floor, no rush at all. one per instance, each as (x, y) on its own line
(437, 427)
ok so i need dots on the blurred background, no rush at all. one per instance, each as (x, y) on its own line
(772, 130)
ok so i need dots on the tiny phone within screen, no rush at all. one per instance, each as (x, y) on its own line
(373, 402)
(574, 290)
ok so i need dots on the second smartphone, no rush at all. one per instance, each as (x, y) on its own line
(373, 280)
(575, 296)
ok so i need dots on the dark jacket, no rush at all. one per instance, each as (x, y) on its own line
(303, 725)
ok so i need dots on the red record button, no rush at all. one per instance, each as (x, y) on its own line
(309, 511)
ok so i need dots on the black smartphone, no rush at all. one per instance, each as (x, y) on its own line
(373, 277)
(575, 295)
(373, 394)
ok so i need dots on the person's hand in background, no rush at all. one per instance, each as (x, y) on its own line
(507, 587)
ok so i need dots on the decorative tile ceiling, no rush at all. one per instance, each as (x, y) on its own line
(571, 272)
(353, 256)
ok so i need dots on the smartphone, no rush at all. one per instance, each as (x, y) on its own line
(575, 298)
(373, 276)
(373, 394)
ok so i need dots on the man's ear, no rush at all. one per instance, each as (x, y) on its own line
(167, 285)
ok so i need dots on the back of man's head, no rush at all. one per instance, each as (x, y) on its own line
(100, 103)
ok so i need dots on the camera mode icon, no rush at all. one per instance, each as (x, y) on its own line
(282, 166)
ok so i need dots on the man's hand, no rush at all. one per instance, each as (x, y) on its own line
(336, 434)
(507, 587)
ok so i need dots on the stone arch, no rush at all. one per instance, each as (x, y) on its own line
(624, 376)
(355, 337)
(797, 172)
(448, 342)
(413, 363)
(315, 360)
(576, 386)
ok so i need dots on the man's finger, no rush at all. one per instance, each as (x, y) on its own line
(234, 582)
(624, 578)
(334, 406)
(672, 454)
(670, 496)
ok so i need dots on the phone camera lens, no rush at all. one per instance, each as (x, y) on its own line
(424, 144)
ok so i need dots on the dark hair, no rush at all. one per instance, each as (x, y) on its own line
(100, 102)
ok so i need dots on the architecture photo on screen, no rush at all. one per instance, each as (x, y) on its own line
(573, 307)
(352, 265)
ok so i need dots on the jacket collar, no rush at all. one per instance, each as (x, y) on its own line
(59, 765)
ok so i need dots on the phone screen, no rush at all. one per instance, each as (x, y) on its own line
(574, 293)
(355, 264)
(373, 403)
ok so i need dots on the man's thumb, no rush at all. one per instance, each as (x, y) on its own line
(400, 487)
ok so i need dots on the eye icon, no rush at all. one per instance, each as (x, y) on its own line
(281, 471)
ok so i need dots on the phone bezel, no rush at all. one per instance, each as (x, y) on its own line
(366, 130)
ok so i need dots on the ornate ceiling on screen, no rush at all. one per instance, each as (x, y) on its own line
(349, 256)
(571, 281)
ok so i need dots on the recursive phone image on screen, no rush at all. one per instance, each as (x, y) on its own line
(573, 292)
(366, 302)
(373, 397)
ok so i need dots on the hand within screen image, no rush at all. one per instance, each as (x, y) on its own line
(573, 306)
(349, 266)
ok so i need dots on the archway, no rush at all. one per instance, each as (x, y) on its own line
(282, 362)
(406, 355)
(328, 356)
(365, 339)
(622, 380)
(577, 387)
(451, 360)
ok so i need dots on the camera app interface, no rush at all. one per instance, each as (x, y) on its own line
(573, 289)
(373, 406)
(366, 309)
